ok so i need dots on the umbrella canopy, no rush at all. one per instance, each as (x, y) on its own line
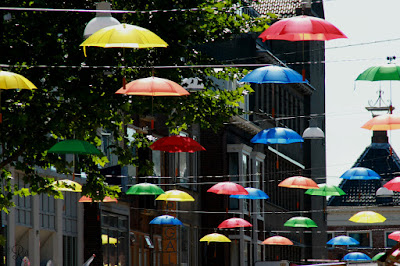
(67, 185)
(302, 28)
(166, 219)
(300, 222)
(356, 256)
(254, 193)
(395, 236)
(228, 188)
(379, 73)
(153, 86)
(124, 36)
(343, 241)
(298, 182)
(368, 217)
(383, 122)
(393, 184)
(277, 240)
(277, 135)
(177, 144)
(10, 80)
(234, 222)
(360, 173)
(106, 199)
(215, 238)
(144, 189)
(273, 74)
(325, 190)
(74, 146)
(378, 256)
(175, 195)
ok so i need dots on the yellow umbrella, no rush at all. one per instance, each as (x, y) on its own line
(105, 239)
(67, 185)
(214, 238)
(175, 195)
(123, 36)
(369, 217)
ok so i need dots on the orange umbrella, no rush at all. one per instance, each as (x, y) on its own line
(383, 122)
(277, 240)
(88, 199)
(298, 182)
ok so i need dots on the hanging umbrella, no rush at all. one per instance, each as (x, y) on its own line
(144, 189)
(177, 144)
(254, 193)
(106, 199)
(74, 146)
(67, 185)
(123, 36)
(360, 173)
(383, 122)
(298, 182)
(277, 135)
(343, 241)
(10, 80)
(234, 222)
(166, 219)
(273, 74)
(214, 238)
(228, 188)
(175, 195)
(379, 73)
(302, 28)
(300, 222)
(277, 240)
(356, 256)
(325, 190)
(153, 86)
(378, 256)
(393, 184)
(369, 217)
(395, 236)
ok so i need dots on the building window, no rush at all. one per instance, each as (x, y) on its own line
(23, 205)
(234, 176)
(70, 254)
(70, 215)
(389, 243)
(362, 237)
(156, 157)
(47, 212)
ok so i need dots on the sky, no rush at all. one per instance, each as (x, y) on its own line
(373, 34)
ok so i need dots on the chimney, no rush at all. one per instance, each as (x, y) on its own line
(379, 137)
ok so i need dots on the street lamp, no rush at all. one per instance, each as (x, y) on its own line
(102, 20)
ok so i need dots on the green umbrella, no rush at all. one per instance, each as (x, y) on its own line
(300, 222)
(326, 190)
(74, 146)
(384, 72)
(144, 189)
(378, 256)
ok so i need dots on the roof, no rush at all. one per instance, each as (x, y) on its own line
(381, 158)
(283, 8)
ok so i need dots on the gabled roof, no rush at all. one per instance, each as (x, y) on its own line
(283, 8)
(381, 158)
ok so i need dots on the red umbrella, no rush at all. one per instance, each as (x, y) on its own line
(393, 184)
(228, 188)
(234, 222)
(298, 182)
(277, 240)
(395, 236)
(302, 28)
(177, 144)
(153, 86)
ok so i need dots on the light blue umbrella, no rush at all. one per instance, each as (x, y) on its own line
(343, 240)
(356, 256)
(254, 193)
(360, 173)
(273, 74)
(166, 219)
(277, 135)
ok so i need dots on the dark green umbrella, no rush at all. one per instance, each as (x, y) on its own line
(300, 222)
(74, 146)
(144, 189)
(378, 73)
(378, 256)
(326, 190)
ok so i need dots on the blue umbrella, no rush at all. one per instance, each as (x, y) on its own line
(356, 256)
(360, 173)
(273, 74)
(277, 135)
(343, 240)
(254, 193)
(166, 219)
